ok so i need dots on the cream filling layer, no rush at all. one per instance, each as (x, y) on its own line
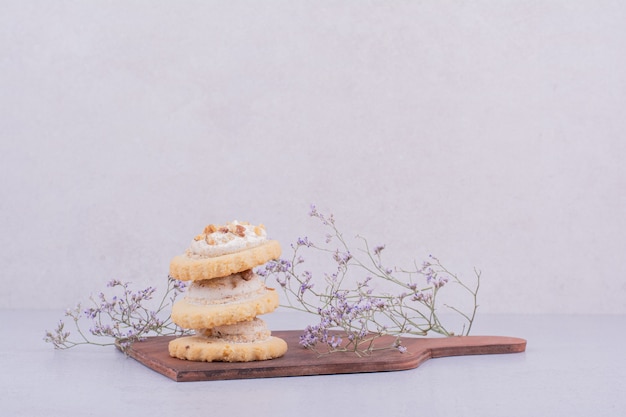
(243, 332)
(230, 289)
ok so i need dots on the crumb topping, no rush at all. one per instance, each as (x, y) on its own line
(220, 239)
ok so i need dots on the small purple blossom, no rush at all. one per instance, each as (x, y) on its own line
(326, 220)
(334, 342)
(276, 266)
(90, 313)
(178, 285)
(435, 280)
(379, 304)
(423, 297)
(378, 249)
(306, 282)
(342, 258)
(304, 241)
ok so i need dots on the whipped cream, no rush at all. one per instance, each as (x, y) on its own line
(243, 332)
(232, 288)
(217, 240)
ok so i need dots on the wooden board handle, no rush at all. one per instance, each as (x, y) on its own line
(470, 345)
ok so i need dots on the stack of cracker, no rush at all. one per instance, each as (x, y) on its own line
(225, 296)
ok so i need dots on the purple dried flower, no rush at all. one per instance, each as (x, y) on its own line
(123, 318)
(91, 313)
(306, 283)
(279, 266)
(304, 241)
(422, 297)
(334, 342)
(179, 285)
(327, 221)
(342, 258)
(125, 344)
(378, 249)
(435, 280)
(310, 337)
(364, 283)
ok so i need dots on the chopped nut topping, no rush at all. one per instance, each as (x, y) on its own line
(224, 229)
(240, 231)
(210, 229)
(198, 237)
(259, 229)
(209, 240)
(247, 275)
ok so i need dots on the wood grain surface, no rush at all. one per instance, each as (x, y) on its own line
(298, 361)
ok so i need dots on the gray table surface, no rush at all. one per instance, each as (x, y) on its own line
(573, 365)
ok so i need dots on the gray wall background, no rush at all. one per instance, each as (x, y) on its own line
(488, 133)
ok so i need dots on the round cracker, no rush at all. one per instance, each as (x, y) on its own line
(195, 316)
(184, 268)
(207, 349)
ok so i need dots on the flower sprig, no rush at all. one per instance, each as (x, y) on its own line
(353, 312)
(120, 319)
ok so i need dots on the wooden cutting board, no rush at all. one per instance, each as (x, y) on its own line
(299, 361)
